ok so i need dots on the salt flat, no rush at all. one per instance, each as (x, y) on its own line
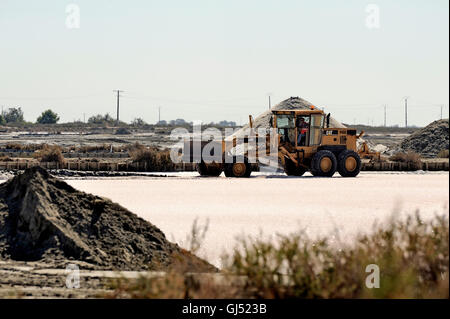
(273, 203)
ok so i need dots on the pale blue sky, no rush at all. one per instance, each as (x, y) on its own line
(214, 60)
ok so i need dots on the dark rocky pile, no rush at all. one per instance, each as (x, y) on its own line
(43, 218)
(428, 141)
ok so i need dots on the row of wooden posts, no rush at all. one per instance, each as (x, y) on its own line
(90, 166)
(82, 165)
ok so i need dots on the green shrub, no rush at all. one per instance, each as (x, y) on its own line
(48, 117)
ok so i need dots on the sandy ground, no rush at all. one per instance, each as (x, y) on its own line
(273, 203)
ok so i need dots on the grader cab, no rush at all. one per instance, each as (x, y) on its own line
(307, 143)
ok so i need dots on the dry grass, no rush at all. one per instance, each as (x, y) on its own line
(24, 147)
(6, 159)
(443, 154)
(96, 148)
(49, 153)
(81, 149)
(413, 160)
(156, 160)
(412, 255)
(122, 131)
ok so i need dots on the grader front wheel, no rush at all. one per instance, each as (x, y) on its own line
(324, 164)
(238, 169)
(212, 169)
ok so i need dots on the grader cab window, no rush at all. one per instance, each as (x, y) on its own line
(316, 129)
(286, 128)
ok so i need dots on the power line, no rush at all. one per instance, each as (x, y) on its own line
(49, 98)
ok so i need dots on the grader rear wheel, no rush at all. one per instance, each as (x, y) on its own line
(349, 164)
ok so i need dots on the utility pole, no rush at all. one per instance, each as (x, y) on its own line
(385, 115)
(442, 106)
(270, 106)
(84, 118)
(159, 114)
(118, 103)
(406, 111)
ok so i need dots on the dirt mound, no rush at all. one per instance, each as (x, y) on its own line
(428, 141)
(293, 103)
(44, 218)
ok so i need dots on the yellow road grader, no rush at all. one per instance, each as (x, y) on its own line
(305, 142)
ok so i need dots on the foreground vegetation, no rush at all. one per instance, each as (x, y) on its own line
(412, 256)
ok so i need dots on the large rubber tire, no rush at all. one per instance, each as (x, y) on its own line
(349, 163)
(291, 170)
(209, 170)
(235, 169)
(323, 164)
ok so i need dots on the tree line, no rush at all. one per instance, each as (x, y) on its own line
(14, 115)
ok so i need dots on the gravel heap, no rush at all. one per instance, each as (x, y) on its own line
(428, 141)
(293, 103)
(42, 218)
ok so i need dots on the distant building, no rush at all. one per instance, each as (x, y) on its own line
(178, 122)
(227, 123)
(162, 123)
